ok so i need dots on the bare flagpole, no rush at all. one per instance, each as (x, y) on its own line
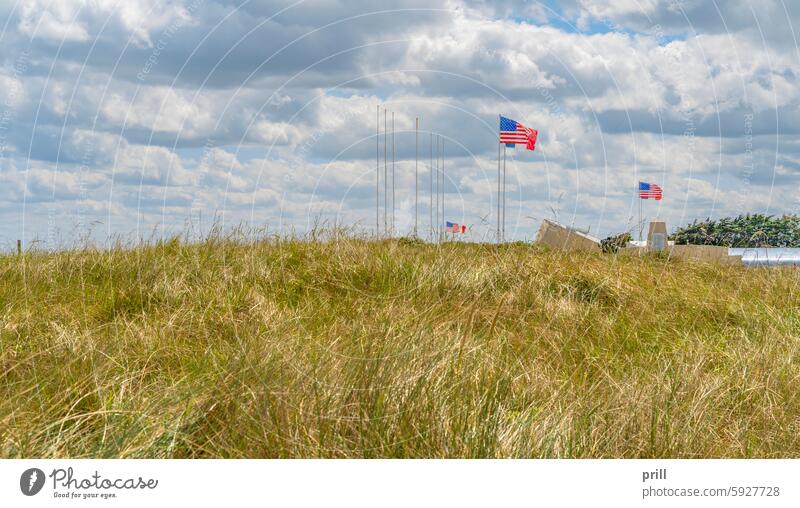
(416, 176)
(436, 180)
(393, 173)
(385, 170)
(444, 184)
(377, 169)
(430, 187)
(439, 187)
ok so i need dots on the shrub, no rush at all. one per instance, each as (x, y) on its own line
(755, 230)
(614, 243)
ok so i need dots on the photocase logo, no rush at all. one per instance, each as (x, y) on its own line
(31, 481)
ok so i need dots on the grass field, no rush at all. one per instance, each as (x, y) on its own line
(356, 348)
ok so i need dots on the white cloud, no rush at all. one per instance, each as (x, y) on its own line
(52, 20)
(82, 20)
(151, 165)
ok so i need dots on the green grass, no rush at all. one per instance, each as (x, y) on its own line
(356, 348)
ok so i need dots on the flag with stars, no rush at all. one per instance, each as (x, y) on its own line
(514, 133)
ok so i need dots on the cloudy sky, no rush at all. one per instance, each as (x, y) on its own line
(140, 118)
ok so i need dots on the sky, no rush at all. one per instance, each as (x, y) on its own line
(123, 120)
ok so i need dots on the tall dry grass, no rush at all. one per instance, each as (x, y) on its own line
(353, 348)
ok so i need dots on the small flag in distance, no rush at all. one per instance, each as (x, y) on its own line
(455, 227)
(649, 190)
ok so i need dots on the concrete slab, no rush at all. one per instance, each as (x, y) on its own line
(560, 237)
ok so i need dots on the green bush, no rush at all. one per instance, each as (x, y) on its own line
(614, 243)
(755, 230)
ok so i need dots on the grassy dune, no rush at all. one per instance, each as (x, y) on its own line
(353, 348)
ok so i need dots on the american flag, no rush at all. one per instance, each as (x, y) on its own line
(649, 190)
(514, 133)
(455, 227)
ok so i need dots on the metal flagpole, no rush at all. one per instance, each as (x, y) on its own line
(436, 226)
(430, 174)
(498, 190)
(638, 186)
(444, 184)
(385, 170)
(393, 172)
(503, 229)
(416, 176)
(439, 186)
(377, 169)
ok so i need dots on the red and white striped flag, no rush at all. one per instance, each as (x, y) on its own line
(514, 133)
(649, 190)
(455, 227)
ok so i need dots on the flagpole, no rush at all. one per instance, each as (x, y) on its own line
(439, 186)
(393, 177)
(444, 184)
(377, 169)
(430, 186)
(385, 171)
(503, 229)
(416, 176)
(441, 191)
(437, 229)
(498, 189)
(638, 186)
